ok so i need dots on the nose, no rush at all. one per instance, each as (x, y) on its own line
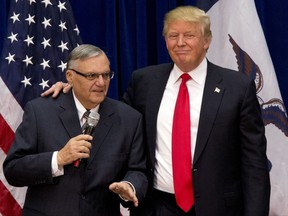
(181, 41)
(100, 81)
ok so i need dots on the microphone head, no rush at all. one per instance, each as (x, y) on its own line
(93, 119)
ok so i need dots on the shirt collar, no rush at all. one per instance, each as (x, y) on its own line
(80, 108)
(198, 74)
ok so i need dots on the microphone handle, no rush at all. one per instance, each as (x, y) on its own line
(88, 130)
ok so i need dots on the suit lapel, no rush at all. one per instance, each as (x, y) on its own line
(154, 97)
(68, 115)
(212, 97)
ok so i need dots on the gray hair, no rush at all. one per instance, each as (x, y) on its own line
(83, 52)
(188, 14)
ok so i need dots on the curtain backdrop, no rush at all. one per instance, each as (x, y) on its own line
(130, 31)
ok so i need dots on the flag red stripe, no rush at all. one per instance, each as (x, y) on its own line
(8, 205)
(6, 135)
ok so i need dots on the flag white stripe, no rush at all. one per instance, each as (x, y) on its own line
(17, 192)
(11, 111)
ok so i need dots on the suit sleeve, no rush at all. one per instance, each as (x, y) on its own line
(137, 163)
(24, 165)
(255, 174)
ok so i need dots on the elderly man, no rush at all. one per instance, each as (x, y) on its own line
(49, 141)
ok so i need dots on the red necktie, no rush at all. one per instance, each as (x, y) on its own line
(181, 149)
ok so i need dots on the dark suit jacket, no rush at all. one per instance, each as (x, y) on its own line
(117, 154)
(230, 171)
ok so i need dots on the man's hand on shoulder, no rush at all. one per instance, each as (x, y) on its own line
(56, 89)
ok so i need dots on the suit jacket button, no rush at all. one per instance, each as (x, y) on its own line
(83, 197)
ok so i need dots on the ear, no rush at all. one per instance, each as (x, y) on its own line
(166, 42)
(69, 76)
(207, 41)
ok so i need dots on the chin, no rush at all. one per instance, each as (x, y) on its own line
(98, 100)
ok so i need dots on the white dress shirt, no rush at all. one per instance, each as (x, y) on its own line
(163, 167)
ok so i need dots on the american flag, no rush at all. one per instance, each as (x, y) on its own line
(40, 35)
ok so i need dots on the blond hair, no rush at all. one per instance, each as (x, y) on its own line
(188, 14)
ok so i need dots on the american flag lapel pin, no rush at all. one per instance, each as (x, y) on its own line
(217, 90)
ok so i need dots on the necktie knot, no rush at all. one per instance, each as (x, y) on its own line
(84, 119)
(86, 114)
(185, 77)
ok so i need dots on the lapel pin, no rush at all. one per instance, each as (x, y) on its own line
(217, 90)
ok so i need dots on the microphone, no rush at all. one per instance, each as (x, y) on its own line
(91, 123)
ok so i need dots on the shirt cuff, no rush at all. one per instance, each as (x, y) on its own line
(56, 170)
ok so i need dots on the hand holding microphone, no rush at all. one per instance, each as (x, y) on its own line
(80, 144)
(89, 126)
(77, 147)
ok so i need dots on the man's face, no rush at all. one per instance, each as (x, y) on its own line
(186, 44)
(90, 92)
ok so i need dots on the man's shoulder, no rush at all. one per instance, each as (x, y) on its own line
(143, 76)
(228, 73)
(155, 68)
(46, 101)
(121, 106)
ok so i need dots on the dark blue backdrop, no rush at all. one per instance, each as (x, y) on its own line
(130, 31)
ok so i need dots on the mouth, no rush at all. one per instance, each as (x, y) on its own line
(181, 51)
(97, 91)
